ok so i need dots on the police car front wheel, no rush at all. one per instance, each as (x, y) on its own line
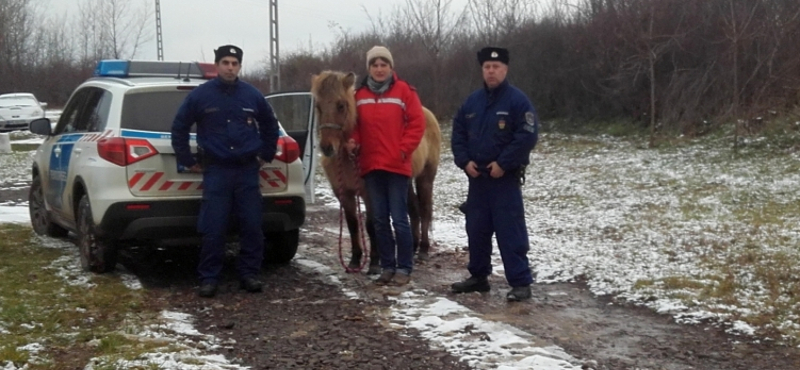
(97, 254)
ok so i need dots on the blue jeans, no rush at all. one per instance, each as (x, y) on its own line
(230, 192)
(388, 197)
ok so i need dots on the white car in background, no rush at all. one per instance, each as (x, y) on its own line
(17, 110)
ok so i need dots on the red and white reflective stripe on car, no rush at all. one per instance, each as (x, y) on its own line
(273, 177)
(144, 182)
(96, 136)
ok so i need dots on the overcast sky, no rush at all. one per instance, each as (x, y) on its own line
(191, 29)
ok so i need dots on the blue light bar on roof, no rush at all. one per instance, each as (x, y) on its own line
(149, 68)
(112, 68)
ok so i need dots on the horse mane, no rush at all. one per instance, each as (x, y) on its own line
(329, 83)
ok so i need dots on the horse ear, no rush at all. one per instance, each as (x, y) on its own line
(349, 80)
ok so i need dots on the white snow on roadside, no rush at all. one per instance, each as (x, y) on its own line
(451, 326)
(15, 215)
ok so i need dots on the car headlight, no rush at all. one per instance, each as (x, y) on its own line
(36, 113)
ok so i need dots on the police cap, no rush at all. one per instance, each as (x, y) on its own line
(227, 51)
(492, 53)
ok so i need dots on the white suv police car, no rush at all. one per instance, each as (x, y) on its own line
(108, 173)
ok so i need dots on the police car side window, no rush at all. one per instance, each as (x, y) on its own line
(66, 123)
(97, 109)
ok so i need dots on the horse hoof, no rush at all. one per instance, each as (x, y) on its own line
(422, 256)
(374, 270)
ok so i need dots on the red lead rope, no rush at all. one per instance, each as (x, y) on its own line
(359, 218)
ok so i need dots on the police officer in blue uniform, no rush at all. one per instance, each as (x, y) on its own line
(236, 130)
(493, 134)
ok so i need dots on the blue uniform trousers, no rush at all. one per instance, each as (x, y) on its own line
(388, 197)
(494, 206)
(228, 190)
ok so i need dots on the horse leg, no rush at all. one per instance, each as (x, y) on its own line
(425, 198)
(374, 257)
(413, 215)
(348, 203)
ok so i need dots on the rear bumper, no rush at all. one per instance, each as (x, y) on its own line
(177, 219)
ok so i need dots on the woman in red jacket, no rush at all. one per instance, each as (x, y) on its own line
(390, 126)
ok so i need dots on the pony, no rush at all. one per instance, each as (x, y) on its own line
(335, 105)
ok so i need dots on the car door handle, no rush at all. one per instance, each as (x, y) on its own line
(57, 151)
(77, 150)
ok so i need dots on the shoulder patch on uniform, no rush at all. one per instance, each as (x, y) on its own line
(530, 122)
(530, 118)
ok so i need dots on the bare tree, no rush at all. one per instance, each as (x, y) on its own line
(113, 28)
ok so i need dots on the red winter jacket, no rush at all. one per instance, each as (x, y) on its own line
(389, 127)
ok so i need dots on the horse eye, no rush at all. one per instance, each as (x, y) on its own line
(340, 107)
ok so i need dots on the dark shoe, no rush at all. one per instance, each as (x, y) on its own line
(251, 285)
(207, 290)
(385, 278)
(473, 284)
(400, 279)
(519, 293)
(463, 207)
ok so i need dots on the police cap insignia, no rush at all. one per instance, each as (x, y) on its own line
(227, 51)
(493, 54)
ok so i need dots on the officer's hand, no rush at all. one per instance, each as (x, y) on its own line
(197, 168)
(495, 170)
(472, 169)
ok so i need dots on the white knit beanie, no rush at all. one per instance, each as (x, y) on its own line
(379, 52)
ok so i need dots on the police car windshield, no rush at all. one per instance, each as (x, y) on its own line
(152, 111)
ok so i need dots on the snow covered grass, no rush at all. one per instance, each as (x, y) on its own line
(54, 315)
(689, 230)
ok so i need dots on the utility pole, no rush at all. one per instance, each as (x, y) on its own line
(159, 40)
(274, 60)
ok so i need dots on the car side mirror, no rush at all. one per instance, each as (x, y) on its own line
(41, 126)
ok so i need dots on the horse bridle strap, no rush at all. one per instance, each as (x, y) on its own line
(330, 126)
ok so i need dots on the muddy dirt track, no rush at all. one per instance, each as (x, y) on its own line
(300, 322)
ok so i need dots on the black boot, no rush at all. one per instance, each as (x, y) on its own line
(251, 284)
(473, 284)
(463, 207)
(519, 293)
(207, 290)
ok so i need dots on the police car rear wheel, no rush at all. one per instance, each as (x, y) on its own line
(40, 219)
(97, 254)
(281, 246)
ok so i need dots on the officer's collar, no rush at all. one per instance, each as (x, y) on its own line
(494, 93)
(497, 90)
(222, 84)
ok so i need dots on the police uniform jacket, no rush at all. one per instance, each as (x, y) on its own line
(234, 124)
(389, 128)
(495, 125)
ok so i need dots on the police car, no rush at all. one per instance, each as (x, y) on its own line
(107, 171)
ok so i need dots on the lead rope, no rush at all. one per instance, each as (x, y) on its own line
(359, 218)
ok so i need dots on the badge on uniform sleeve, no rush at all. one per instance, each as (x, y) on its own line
(502, 124)
(530, 122)
(250, 121)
